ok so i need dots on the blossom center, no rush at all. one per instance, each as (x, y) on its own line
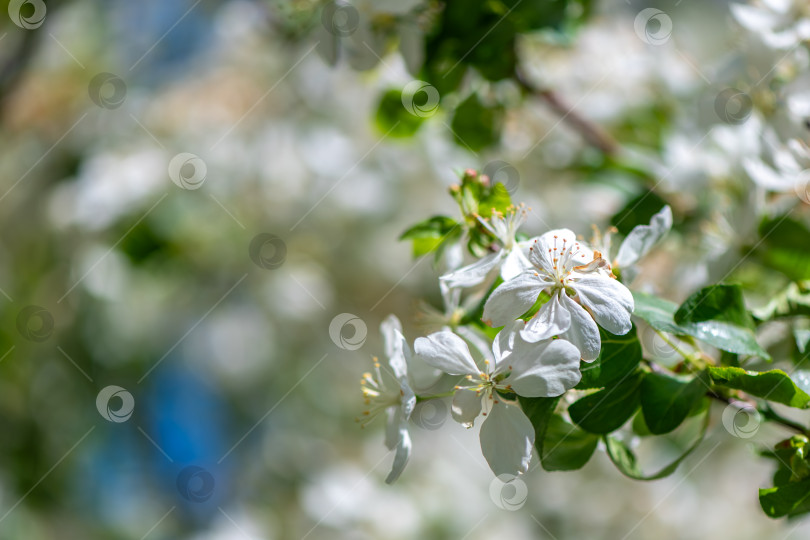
(376, 395)
(563, 261)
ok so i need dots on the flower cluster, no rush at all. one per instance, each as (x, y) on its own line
(549, 296)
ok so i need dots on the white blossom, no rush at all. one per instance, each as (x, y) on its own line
(541, 369)
(782, 24)
(396, 402)
(635, 245)
(510, 259)
(573, 276)
(785, 169)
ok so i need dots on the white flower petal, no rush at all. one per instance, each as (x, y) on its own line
(387, 328)
(785, 161)
(754, 18)
(766, 176)
(514, 264)
(610, 302)
(779, 6)
(451, 298)
(393, 421)
(407, 398)
(507, 437)
(542, 252)
(453, 256)
(403, 453)
(494, 225)
(466, 406)
(447, 352)
(396, 346)
(583, 333)
(473, 274)
(421, 374)
(513, 298)
(543, 369)
(782, 40)
(800, 151)
(552, 319)
(504, 341)
(478, 340)
(642, 238)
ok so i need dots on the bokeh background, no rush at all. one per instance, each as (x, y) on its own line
(203, 286)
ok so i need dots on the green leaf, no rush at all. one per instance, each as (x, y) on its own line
(453, 235)
(538, 411)
(566, 447)
(782, 476)
(431, 234)
(646, 126)
(606, 410)
(784, 247)
(791, 455)
(667, 401)
(476, 126)
(496, 198)
(793, 301)
(721, 302)
(801, 349)
(639, 211)
(433, 227)
(494, 56)
(659, 314)
(727, 337)
(423, 246)
(625, 460)
(638, 425)
(619, 356)
(790, 498)
(774, 385)
(393, 118)
(536, 14)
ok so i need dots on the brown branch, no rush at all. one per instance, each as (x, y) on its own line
(592, 133)
(12, 70)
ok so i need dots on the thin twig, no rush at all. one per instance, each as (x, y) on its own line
(592, 133)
